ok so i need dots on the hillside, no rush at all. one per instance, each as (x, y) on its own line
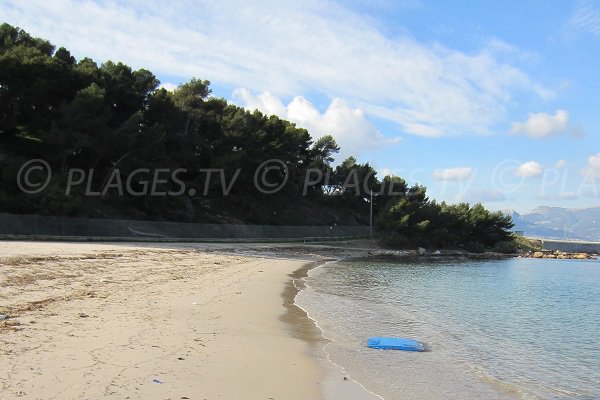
(82, 139)
(560, 223)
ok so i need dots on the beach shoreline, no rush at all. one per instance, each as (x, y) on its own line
(336, 383)
(220, 310)
(347, 317)
(126, 321)
(133, 320)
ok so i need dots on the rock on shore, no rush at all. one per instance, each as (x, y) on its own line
(561, 255)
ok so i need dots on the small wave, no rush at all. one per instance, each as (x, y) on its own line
(340, 368)
(484, 322)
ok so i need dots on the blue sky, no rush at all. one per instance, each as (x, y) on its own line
(479, 101)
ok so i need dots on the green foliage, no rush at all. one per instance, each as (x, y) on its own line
(508, 247)
(115, 120)
(525, 244)
(324, 149)
(190, 96)
(417, 221)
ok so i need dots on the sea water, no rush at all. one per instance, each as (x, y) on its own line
(515, 328)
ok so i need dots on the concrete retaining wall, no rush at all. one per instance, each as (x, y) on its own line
(571, 246)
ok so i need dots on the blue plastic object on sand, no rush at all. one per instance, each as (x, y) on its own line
(392, 343)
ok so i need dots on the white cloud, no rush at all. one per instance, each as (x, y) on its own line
(541, 125)
(169, 86)
(585, 18)
(500, 47)
(592, 171)
(382, 173)
(351, 130)
(290, 49)
(453, 174)
(529, 169)
(560, 164)
(266, 102)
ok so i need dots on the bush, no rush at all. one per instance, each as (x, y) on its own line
(394, 242)
(508, 247)
(475, 247)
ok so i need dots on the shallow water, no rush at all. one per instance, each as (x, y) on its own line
(518, 328)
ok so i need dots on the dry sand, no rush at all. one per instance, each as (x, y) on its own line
(91, 321)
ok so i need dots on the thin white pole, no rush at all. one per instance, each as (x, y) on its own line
(371, 217)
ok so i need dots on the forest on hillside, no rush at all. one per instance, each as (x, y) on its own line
(108, 126)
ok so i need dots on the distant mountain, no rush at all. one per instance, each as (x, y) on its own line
(559, 223)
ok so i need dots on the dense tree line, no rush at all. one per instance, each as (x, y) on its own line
(111, 121)
(411, 221)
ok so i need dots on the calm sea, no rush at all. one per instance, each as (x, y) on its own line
(518, 328)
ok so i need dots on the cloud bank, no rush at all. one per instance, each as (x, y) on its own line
(292, 49)
(348, 125)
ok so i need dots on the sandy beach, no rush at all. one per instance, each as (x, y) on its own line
(130, 321)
